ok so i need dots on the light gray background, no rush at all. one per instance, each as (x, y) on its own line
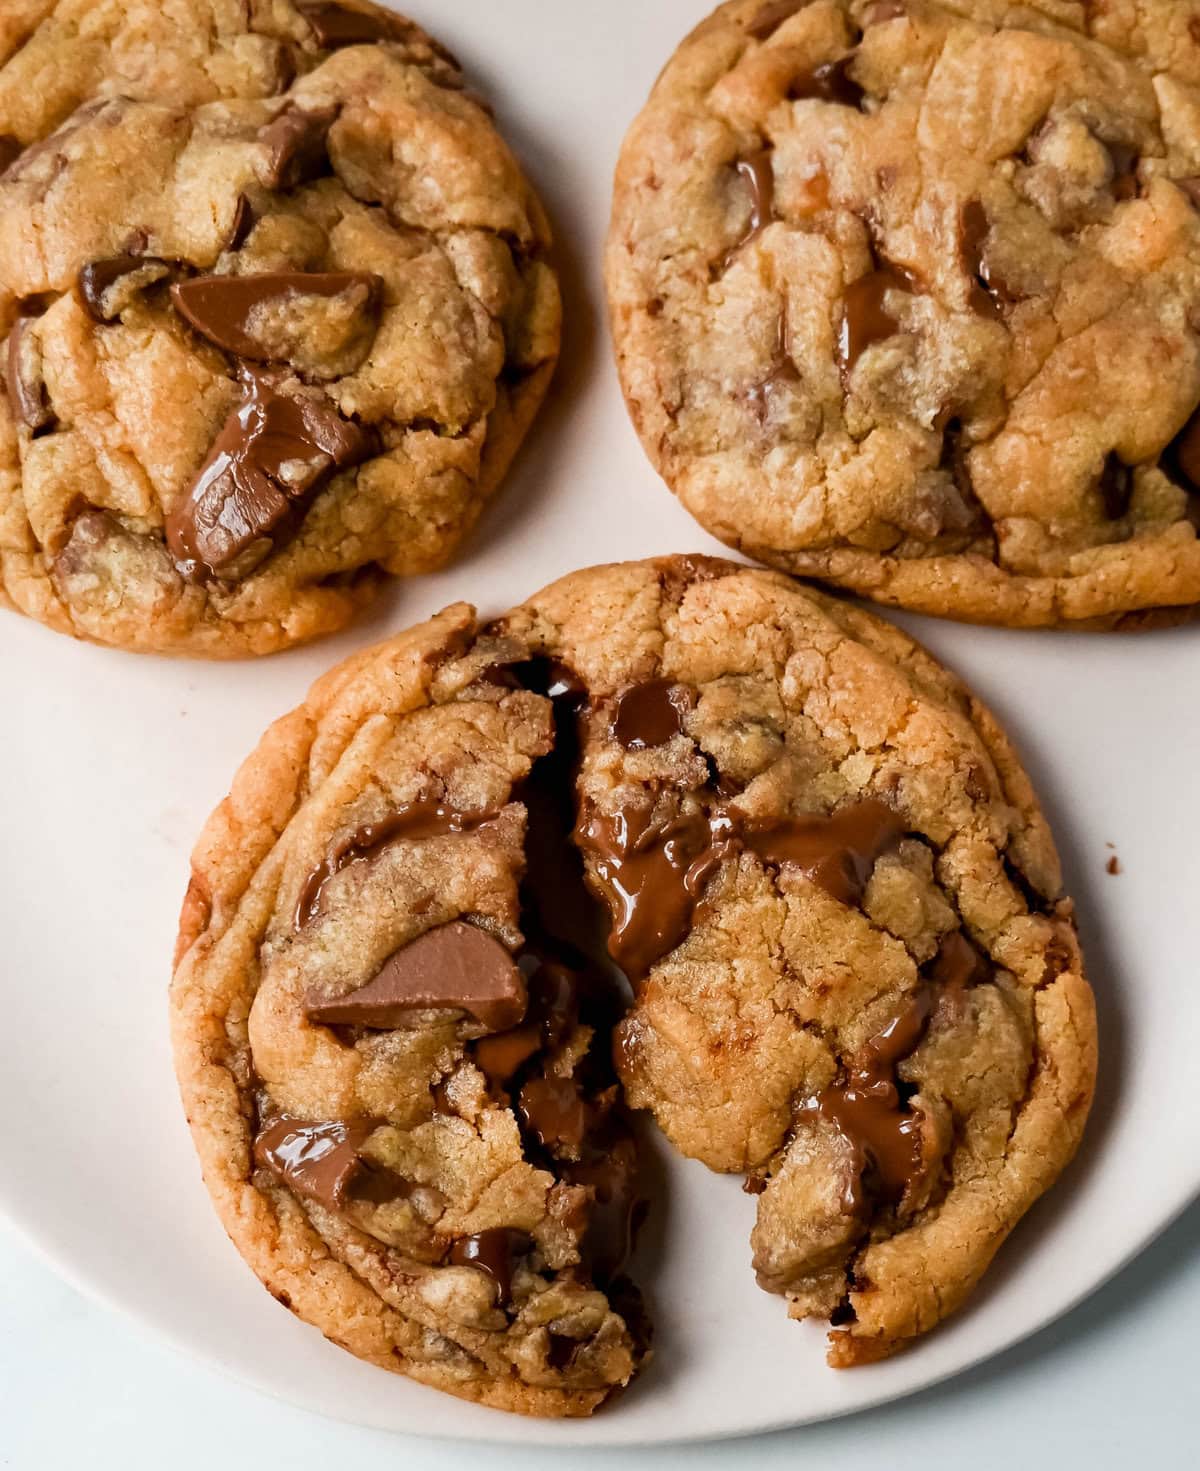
(1112, 1385)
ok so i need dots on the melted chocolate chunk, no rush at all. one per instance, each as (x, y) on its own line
(651, 714)
(651, 875)
(26, 387)
(959, 965)
(868, 1110)
(222, 308)
(759, 173)
(10, 150)
(457, 967)
(838, 853)
(865, 317)
(320, 1161)
(1116, 487)
(554, 1111)
(783, 371)
(341, 25)
(767, 21)
(426, 818)
(493, 1253)
(829, 82)
(612, 1176)
(1181, 458)
(987, 296)
(99, 276)
(274, 453)
(294, 146)
(500, 1058)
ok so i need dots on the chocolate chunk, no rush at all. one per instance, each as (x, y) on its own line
(342, 25)
(868, 1110)
(1125, 159)
(771, 16)
(457, 967)
(501, 1058)
(10, 150)
(426, 818)
(98, 277)
(274, 453)
(26, 387)
(222, 308)
(554, 1111)
(838, 852)
(244, 220)
(758, 172)
(554, 994)
(1116, 487)
(958, 964)
(651, 714)
(612, 1177)
(1181, 458)
(829, 82)
(986, 295)
(492, 1253)
(295, 149)
(320, 1161)
(865, 317)
(783, 370)
(651, 875)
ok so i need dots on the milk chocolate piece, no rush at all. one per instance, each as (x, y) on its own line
(492, 1253)
(867, 1109)
(341, 25)
(829, 82)
(866, 319)
(958, 964)
(837, 852)
(320, 1161)
(1116, 487)
(99, 276)
(294, 147)
(26, 387)
(501, 1057)
(771, 16)
(457, 967)
(274, 453)
(425, 818)
(651, 714)
(222, 308)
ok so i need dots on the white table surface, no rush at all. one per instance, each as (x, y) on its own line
(1112, 1385)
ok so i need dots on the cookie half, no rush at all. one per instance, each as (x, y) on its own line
(802, 847)
(278, 316)
(904, 298)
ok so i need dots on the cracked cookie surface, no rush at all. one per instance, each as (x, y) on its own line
(278, 316)
(816, 860)
(903, 296)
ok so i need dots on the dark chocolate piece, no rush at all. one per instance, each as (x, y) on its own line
(1116, 487)
(98, 276)
(492, 1253)
(651, 714)
(244, 220)
(988, 299)
(10, 150)
(26, 387)
(829, 82)
(341, 25)
(457, 967)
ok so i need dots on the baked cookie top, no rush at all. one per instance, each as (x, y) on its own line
(904, 297)
(277, 309)
(816, 860)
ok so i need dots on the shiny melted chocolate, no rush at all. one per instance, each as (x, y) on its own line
(829, 82)
(838, 852)
(494, 1254)
(867, 1109)
(651, 714)
(987, 295)
(320, 1161)
(758, 172)
(414, 821)
(866, 319)
(222, 308)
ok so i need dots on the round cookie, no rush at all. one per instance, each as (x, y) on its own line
(904, 298)
(817, 860)
(278, 316)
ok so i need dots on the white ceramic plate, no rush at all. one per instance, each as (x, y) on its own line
(111, 763)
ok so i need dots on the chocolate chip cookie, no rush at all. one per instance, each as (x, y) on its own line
(904, 298)
(794, 851)
(278, 316)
